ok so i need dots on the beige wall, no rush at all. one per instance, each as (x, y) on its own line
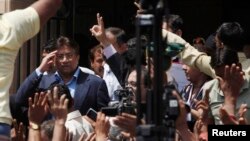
(17, 4)
(3, 6)
(9, 5)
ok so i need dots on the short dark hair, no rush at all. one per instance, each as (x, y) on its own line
(119, 33)
(48, 127)
(92, 52)
(210, 44)
(224, 56)
(62, 40)
(232, 35)
(132, 42)
(130, 54)
(175, 22)
(199, 40)
(49, 46)
(62, 89)
(130, 57)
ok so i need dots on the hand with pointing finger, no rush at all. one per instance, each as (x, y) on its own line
(99, 31)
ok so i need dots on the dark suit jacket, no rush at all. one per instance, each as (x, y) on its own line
(91, 91)
(119, 67)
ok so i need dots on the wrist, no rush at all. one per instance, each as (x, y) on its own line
(230, 108)
(34, 126)
(181, 126)
(40, 69)
(229, 105)
(101, 137)
(233, 117)
(230, 101)
(105, 43)
(60, 121)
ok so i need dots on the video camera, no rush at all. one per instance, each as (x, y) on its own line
(170, 102)
(124, 104)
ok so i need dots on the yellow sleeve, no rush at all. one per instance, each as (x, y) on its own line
(192, 57)
(18, 26)
(189, 55)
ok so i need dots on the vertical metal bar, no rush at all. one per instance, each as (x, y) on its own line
(38, 46)
(48, 30)
(58, 27)
(74, 18)
(28, 57)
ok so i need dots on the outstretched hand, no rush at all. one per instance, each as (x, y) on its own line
(37, 108)
(58, 106)
(18, 132)
(127, 122)
(99, 31)
(227, 118)
(102, 126)
(232, 74)
(181, 119)
(140, 10)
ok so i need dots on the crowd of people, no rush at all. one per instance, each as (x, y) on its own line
(53, 102)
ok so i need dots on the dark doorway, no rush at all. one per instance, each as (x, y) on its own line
(201, 18)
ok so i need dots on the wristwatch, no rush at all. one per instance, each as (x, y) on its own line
(34, 126)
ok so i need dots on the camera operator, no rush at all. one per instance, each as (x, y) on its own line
(181, 122)
(127, 121)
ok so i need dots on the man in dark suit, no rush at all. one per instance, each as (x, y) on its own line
(86, 89)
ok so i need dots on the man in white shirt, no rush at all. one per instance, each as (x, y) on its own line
(102, 69)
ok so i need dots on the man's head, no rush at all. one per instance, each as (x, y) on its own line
(48, 47)
(67, 56)
(230, 35)
(222, 57)
(47, 129)
(132, 80)
(63, 89)
(199, 43)
(130, 54)
(192, 74)
(97, 60)
(210, 45)
(173, 23)
(118, 38)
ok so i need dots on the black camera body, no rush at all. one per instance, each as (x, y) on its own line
(124, 104)
(171, 111)
(170, 102)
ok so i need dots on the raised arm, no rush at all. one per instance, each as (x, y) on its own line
(46, 9)
(58, 108)
(189, 55)
(21, 25)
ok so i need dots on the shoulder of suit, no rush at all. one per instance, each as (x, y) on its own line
(92, 77)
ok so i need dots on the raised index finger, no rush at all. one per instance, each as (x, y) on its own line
(137, 5)
(100, 21)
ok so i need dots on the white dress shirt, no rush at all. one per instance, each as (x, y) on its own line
(77, 125)
(111, 81)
